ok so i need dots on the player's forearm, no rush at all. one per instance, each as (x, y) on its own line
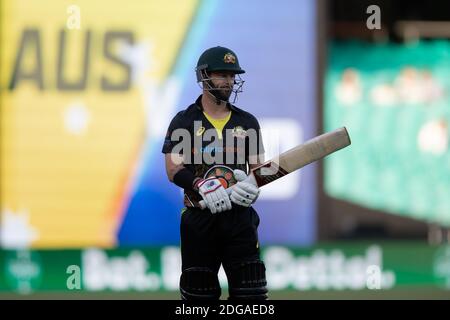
(174, 163)
(184, 178)
(173, 170)
(178, 173)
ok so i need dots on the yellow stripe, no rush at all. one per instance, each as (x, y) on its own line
(219, 124)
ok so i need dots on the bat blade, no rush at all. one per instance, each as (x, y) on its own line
(302, 155)
(296, 158)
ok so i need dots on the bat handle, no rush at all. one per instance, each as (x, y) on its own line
(202, 203)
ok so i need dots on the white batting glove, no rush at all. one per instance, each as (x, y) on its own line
(214, 194)
(244, 193)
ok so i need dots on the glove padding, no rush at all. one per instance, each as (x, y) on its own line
(243, 193)
(214, 194)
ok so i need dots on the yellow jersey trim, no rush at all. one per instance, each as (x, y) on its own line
(219, 124)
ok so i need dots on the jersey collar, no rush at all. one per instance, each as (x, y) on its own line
(198, 104)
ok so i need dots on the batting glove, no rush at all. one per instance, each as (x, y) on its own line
(214, 194)
(244, 193)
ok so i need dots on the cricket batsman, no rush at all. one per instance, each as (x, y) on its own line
(210, 147)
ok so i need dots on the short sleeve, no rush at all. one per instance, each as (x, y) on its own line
(259, 149)
(169, 142)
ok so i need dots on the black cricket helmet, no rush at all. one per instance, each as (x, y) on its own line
(218, 59)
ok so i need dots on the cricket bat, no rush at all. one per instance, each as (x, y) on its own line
(296, 158)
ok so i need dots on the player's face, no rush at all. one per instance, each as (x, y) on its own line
(224, 81)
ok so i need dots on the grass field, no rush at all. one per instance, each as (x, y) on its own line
(402, 294)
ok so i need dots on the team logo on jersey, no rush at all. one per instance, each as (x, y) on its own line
(239, 132)
(200, 131)
(223, 173)
(229, 58)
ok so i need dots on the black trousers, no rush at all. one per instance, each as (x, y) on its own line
(209, 240)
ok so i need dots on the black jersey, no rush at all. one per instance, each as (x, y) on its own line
(207, 152)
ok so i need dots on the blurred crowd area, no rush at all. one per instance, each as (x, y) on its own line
(390, 86)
